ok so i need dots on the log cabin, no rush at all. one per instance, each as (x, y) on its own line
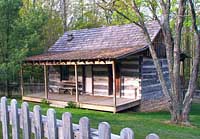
(107, 69)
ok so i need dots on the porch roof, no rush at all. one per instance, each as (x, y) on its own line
(81, 55)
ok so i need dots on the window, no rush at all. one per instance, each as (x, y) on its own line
(64, 73)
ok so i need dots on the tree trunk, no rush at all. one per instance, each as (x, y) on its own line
(194, 74)
(65, 9)
(177, 94)
(185, 113)
(7, 88)
(192, 83)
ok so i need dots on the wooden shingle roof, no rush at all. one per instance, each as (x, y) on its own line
(99, 43)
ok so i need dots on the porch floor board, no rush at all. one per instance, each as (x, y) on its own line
(103, 103)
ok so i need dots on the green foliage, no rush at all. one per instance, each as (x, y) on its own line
(39, 28)
(52, 30)
(126, 9)
(26, 29)
(71, 105)
(44, 101)
(33, 74)
(29, 26)
(88, 20)
(9, 54)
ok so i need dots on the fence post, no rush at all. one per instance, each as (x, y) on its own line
(14, 119)
(67, 127)
(37, 121)
(26, 121)
(4, 118)
(104, 131)
(51, 124)
(126, 133)
(152, 136)
(84, 124)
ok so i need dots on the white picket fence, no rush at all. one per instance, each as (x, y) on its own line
(39, 126)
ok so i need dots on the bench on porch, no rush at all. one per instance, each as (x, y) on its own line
(69, 87)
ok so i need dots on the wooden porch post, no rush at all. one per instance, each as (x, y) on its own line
(114, 87)
(45, 82)
(21, 81)
(76, 80)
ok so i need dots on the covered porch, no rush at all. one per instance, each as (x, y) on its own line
(113, 88)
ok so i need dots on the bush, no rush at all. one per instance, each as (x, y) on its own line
(72, 105)
(44, 101)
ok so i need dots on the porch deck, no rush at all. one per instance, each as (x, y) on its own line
(101, 103)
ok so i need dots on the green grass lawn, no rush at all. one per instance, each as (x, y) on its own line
(141, 123)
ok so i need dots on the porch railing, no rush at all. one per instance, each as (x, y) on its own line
(39, 126)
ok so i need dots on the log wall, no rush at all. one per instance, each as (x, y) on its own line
(152, 95)
(72, 73)
(101, 80)
(130, 77)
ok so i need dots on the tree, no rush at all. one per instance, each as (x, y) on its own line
(81, 14)
(26, 28)
(36, 29)
(194, 73)
(8, 13)
(169, 11)
(65, 6)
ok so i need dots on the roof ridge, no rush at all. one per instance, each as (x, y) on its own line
(105, 26)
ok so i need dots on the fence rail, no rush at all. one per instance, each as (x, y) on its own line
(40, 126)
